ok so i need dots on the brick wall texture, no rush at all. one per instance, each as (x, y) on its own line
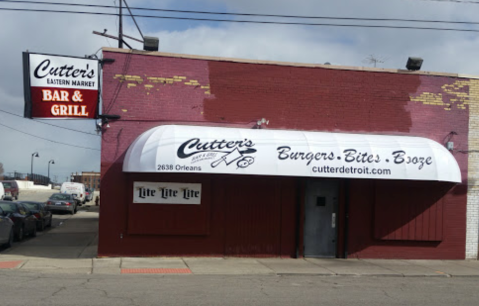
(472, 234)
(149, 90)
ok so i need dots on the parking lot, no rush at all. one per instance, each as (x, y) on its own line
(70, 236)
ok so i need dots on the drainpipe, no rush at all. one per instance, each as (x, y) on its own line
(298, 212)
(346, 218)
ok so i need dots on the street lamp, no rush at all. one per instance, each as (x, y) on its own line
(50, 162)
(33, 155)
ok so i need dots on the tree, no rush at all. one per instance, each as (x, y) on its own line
(1, 171)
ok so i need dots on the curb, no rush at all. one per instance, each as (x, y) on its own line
(281, 274)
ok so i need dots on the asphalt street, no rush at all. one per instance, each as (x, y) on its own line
(20, 288)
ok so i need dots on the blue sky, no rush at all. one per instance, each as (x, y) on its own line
(69, 34)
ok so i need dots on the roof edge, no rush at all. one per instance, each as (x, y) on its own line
(278, 63)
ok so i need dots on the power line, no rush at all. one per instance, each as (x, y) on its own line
(257, 22)
(61, 127)
(131, 14)
(453, 1)
(65, 144)
(249, 14)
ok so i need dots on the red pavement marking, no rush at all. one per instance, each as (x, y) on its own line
(155, 271)
(9, 264)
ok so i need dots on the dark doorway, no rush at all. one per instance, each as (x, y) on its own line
(321, 215)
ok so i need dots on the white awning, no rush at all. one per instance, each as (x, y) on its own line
(195, 149)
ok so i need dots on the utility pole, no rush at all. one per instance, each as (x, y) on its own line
(120, 36)
(120, 27)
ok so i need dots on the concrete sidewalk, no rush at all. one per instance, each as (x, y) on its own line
(243, 266)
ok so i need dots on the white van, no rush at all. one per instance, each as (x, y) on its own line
(2, 191)
(76, 189)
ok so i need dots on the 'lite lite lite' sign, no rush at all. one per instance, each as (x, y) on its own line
(60, 87)
(166, 193)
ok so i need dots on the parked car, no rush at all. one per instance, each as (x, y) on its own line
(89, 194)
(25, 223)
(11, 188)
(6, 229)
(76, 189)
(44, 217)
(61, 202)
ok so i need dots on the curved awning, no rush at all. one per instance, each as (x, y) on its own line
(195, 149)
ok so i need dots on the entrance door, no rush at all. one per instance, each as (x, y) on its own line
(321, 207)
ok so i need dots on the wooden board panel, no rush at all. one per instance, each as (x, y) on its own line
(409, 210)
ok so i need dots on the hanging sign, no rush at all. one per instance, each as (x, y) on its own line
(166, 193)
(60, 87)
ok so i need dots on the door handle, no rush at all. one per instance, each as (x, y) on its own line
(333, 220)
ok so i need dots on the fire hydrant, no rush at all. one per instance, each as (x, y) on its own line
(97, 200)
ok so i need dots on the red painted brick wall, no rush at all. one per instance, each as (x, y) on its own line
(148, 91)
(363, 242)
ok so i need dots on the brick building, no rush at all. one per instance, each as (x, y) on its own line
(358, 165)
(90, 179)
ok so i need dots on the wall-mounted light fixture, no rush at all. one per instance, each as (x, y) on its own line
(414, 63)
(261, 122)
(106, 118)
(150, 43)
(106, 61)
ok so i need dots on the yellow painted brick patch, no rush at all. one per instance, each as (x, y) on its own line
(428, 99)
(132, 79)
(457, 89)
